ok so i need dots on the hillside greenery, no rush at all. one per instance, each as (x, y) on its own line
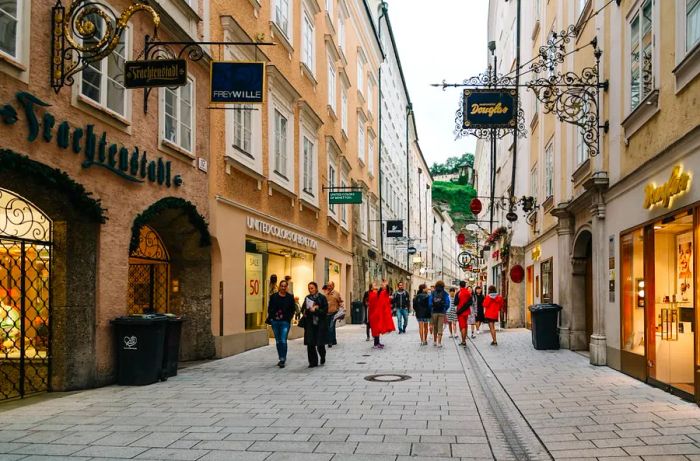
(452, 164)
(454, 198)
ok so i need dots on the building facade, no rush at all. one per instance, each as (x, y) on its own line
(103, 209)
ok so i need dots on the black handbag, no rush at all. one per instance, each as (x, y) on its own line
(302, 322)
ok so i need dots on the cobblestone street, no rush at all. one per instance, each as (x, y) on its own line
(505, 402)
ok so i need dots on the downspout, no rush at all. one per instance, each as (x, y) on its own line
(383, 7)
(409, 112)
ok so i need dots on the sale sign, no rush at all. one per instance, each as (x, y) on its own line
(254, 283)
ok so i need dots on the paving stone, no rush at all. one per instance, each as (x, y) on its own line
(431, 449)
(172, 453)
(48, 449)
(111, 452)
(220, 455)
(383, 448)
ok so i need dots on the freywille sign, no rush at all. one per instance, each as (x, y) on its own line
(134, 166)
(663, 195)
(487, 108)
(238, 82)
(341, 198)
(155, 73)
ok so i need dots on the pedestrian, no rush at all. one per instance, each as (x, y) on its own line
(430, 325)
(399, 302)
(422, 311)
(477, 310)
(335, 303)
(315, 325)
(439, 302)
(452, 314)
(280, 310)
(272, 286)
(365, 303)
(379, 312)
(290, 284)
(493, 303)
(463, 301)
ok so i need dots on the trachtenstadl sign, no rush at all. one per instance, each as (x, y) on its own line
(281, 233)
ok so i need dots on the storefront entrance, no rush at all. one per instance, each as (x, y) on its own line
(582, 299)
(25, 264)
(149, 275)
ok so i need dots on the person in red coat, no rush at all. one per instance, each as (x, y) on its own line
(464, 297)
(493, 303)
(379, 313)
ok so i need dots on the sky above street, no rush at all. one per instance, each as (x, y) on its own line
(439, 39)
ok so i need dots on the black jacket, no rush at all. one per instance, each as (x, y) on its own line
(400, 300)
(478, 299)
(316, 323)
(282, 305)
(420, 306)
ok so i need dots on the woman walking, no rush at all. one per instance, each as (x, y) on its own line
(315, 325)
(493, 303)
(365, 304)
(477, 310)
(479, 319)
(463, 301)
(379, 313)
(452, 314)
(420, 307)
(280, 311)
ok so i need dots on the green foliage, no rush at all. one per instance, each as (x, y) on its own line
(452, 164)
(455, 198)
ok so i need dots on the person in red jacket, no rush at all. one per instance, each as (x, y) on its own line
(463, 309)
(493, 303)
(379, 313)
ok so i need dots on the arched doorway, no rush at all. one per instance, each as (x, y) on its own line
(149, 274)
(582, 296)
(26, 235)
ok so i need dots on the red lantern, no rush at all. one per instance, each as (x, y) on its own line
(461, 239)
(517, 273)
(475, 206)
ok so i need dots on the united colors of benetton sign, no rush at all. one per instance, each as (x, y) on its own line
(487, 108)
(238, 82)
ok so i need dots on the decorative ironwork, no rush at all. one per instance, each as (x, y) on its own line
(486, 133)
(149, 275)
(554, 51)
(85, 33)
(25, 264)
(150, 246)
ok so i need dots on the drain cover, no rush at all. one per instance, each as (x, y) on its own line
(387, 378)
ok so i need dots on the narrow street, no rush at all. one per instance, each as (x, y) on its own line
(505, 402)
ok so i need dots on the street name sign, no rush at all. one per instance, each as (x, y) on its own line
(155, 73)
(237, 82)
(345, 197)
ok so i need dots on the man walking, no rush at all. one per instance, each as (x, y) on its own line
(400, 304)
(335, 302)
(439, 301)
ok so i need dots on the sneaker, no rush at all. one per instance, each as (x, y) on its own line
(494, 343)
(381, 346)
(367, 339)
(473, 336)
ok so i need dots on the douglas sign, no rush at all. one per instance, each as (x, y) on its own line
(486, 108)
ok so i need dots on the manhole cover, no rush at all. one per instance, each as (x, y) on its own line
(387, 378)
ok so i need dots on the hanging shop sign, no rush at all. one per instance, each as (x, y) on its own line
(663, 195)
(412, 250)
(517, 273)
(238, 82)
(461, 238)
(281, 233)
(132, 165)
(155, 73)
(489, 108)
(345, 197)
(475, 206)
(394, 228)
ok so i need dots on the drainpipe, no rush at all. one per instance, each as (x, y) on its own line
(383, 8)
(409, 112)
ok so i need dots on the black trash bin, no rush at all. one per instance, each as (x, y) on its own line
(171, 350)
(139, 344)
(545, 330)
(358, 313)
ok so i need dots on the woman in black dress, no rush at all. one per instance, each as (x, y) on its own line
(315, 310)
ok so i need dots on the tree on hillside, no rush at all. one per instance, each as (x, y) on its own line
(452, 164)
(454, 198)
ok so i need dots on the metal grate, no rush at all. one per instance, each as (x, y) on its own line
(149, 275)
(387, 378)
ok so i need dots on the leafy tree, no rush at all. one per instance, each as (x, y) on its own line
(452, 164)
(454, 198)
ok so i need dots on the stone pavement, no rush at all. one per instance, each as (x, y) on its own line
(504, 402)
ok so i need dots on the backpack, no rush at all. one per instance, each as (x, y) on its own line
(439, 301)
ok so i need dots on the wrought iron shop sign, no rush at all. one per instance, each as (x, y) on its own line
(489, 108)
(238, 82)
(342, 198)
(155, 73)
(394, 228)
(131, 165)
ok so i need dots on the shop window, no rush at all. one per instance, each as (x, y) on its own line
(149, 275)
(177, 116)
(634, 293)
(642, 52)
(546, 274)
(25, 262)
(10, 14)
(103, 81)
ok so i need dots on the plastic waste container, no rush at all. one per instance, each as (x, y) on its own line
(357, 316)
(545, 330)
(140, 342)
(171, 348)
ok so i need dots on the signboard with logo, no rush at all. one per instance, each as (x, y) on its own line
(489, 108)
(254, 283)
(394, 228)
(345, 197)
(238, 82)
(678, 183)
(155, 73)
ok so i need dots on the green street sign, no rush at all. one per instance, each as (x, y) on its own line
(345, 197)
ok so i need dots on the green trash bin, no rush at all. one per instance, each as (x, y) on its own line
(139, 341)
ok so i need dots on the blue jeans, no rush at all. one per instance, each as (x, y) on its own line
(402, 314)
(281, 329)
(331, 331)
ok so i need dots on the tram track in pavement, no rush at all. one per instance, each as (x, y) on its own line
(509, 435)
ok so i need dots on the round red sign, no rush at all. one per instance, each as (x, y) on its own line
(475, 206)
(460, 239)
(517, 273)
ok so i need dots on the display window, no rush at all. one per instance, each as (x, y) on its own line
(547, 281)
(633, 292)
(333, 274)
(267, 264)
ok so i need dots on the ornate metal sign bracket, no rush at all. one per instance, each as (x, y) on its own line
(84, 33)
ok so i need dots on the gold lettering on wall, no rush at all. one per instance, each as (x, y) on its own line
(663, 195)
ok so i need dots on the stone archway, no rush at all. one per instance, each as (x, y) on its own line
(582, 291)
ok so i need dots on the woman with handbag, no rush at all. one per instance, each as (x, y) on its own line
(280, 311)
(315, 324)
